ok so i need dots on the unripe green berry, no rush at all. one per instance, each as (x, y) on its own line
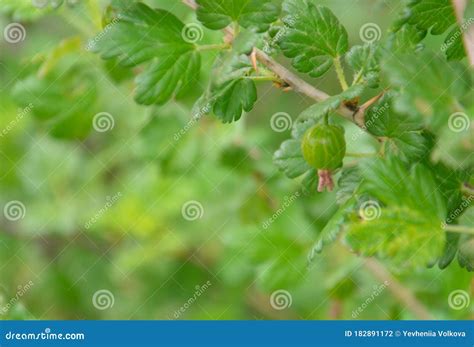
(324, 146)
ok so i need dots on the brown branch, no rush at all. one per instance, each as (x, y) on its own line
(398, 290)
(468, 34)
(296, 82)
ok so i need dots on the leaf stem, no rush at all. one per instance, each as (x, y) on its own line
(340, 73)
(219, 46)
(463, 229)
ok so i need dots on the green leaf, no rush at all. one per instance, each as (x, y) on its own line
(437, 15)
(365, 61)
(63, 100)
(217, 14)
(289, 159)
(429, 92)
(404, 236)
(234, 97)
(333, 227)
(316, 111)
(466, 254)
(395, 184)
(348, 183)
(145, 35)
(405, 136)
(405, 38)
(313, 37)
(453, 44)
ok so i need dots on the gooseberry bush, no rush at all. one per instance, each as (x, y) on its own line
(394, 204)
(393, 144)
(403, 202)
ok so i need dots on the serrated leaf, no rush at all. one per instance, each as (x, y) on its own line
(453, 45)
(234, 97)
(167, 77)
(333, 227)
(331, 104)
(313, 37)
(437, 15)
(289, 159)
(348, 183)
(404, 236)
(145, 35)
(466, 254)
(405, 38)
(405, 136)
(365, 61)
(394, 184)
(217, 14)
(428, 92)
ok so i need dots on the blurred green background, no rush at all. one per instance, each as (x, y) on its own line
(104, 232)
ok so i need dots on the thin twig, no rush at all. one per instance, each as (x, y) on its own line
(398, 290)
